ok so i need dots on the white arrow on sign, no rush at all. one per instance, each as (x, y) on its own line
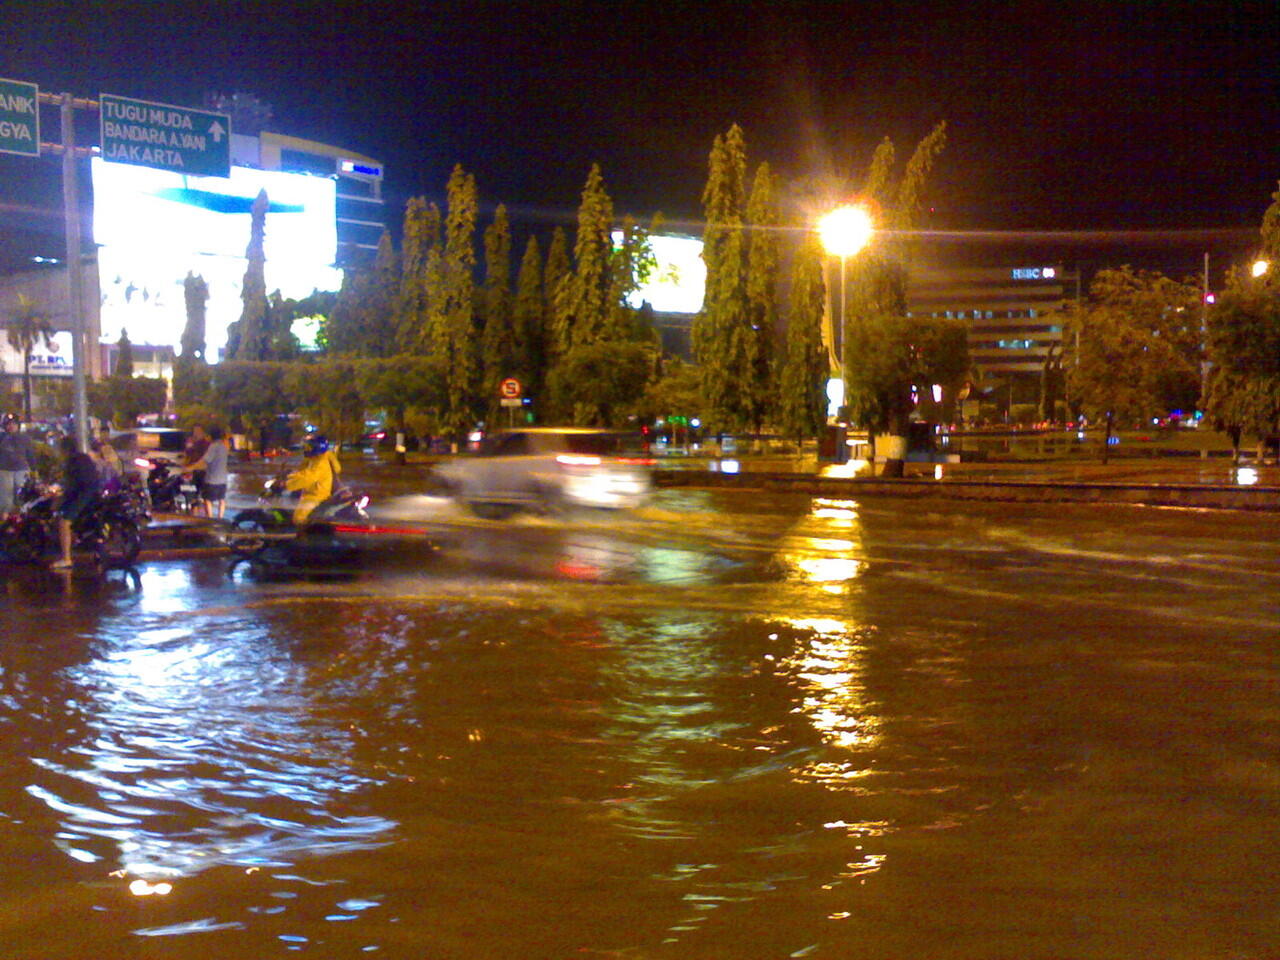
(217, 130)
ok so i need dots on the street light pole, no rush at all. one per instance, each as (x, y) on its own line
(844, 311)
(844, 232)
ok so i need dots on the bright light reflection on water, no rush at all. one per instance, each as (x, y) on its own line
(206, 724)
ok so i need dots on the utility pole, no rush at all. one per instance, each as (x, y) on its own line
(75, 267)
(1204, 333)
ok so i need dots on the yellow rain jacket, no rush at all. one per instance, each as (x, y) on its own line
(315, 478)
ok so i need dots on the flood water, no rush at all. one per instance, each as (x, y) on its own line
(731, 726)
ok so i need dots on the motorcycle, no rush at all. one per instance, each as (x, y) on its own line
(168, 490)
(108, 528)
(251, 531)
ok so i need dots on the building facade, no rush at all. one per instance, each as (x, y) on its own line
(1014, 314)
(360, 214)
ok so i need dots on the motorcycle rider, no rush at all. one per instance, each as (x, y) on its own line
(81, 486)
(17, 462)
(316, 477)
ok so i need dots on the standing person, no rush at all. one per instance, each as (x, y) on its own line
(214, 465)
(315, 478)
(17, 462)
(80, 487)
(193, 454)
(109, 458)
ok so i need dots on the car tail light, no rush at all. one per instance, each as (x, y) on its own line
(573, 460)
(638, 461)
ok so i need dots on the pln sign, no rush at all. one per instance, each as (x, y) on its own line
(181, 139)
(19, 118)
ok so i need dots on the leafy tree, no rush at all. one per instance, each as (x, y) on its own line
(802, 405)
(196, 295)
(326, 394)
(717, 332)
(498, 347)
(602, 382)
(249, 392)
(122, 400)
(408, 387)
(281, 344)
(250, 335)
(26, 328)
(529, 320)
(631, 264)
(1243, 389)
(1138, 347)
(889, 357)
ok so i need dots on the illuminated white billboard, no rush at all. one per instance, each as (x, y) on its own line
(153, 227)
(49, 358)
(679, 284)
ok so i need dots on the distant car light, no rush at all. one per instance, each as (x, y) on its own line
(575, 460)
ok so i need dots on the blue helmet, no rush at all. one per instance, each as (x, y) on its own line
(314, 444)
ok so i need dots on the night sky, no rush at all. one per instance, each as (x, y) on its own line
(1097, 117)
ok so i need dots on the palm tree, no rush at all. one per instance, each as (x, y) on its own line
(26, 327)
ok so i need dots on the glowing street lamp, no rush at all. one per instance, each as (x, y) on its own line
(1260, 267)
(844, 232)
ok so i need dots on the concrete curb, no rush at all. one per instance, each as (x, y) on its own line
(1198, 496)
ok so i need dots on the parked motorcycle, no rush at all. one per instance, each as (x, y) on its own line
(108, 528)
(253, 530)
(169, 490)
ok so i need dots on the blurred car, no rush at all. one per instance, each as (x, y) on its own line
(551, 468)
(383, 438)
(153, 443)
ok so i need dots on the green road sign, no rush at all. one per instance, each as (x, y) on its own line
(19, 118)
(180, 139)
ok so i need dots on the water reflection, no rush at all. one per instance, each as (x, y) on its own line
(200, 747)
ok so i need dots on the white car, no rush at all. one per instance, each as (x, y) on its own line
(550, 468)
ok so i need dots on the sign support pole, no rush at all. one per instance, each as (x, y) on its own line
(75, 267)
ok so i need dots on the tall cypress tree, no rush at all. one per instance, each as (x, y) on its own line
(528, 319)
(421, 235)
(556, 288)
(252, 330)
(592, 252)
(756, 383)
(802, 401)
(195, 294)
(344, 327)
(457, 315)
(124, 355)
(498, 343)
(717, 334)
(381, 313)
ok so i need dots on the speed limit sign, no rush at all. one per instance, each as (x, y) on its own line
(509, 389)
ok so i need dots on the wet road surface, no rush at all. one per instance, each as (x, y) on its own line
(726, 726)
